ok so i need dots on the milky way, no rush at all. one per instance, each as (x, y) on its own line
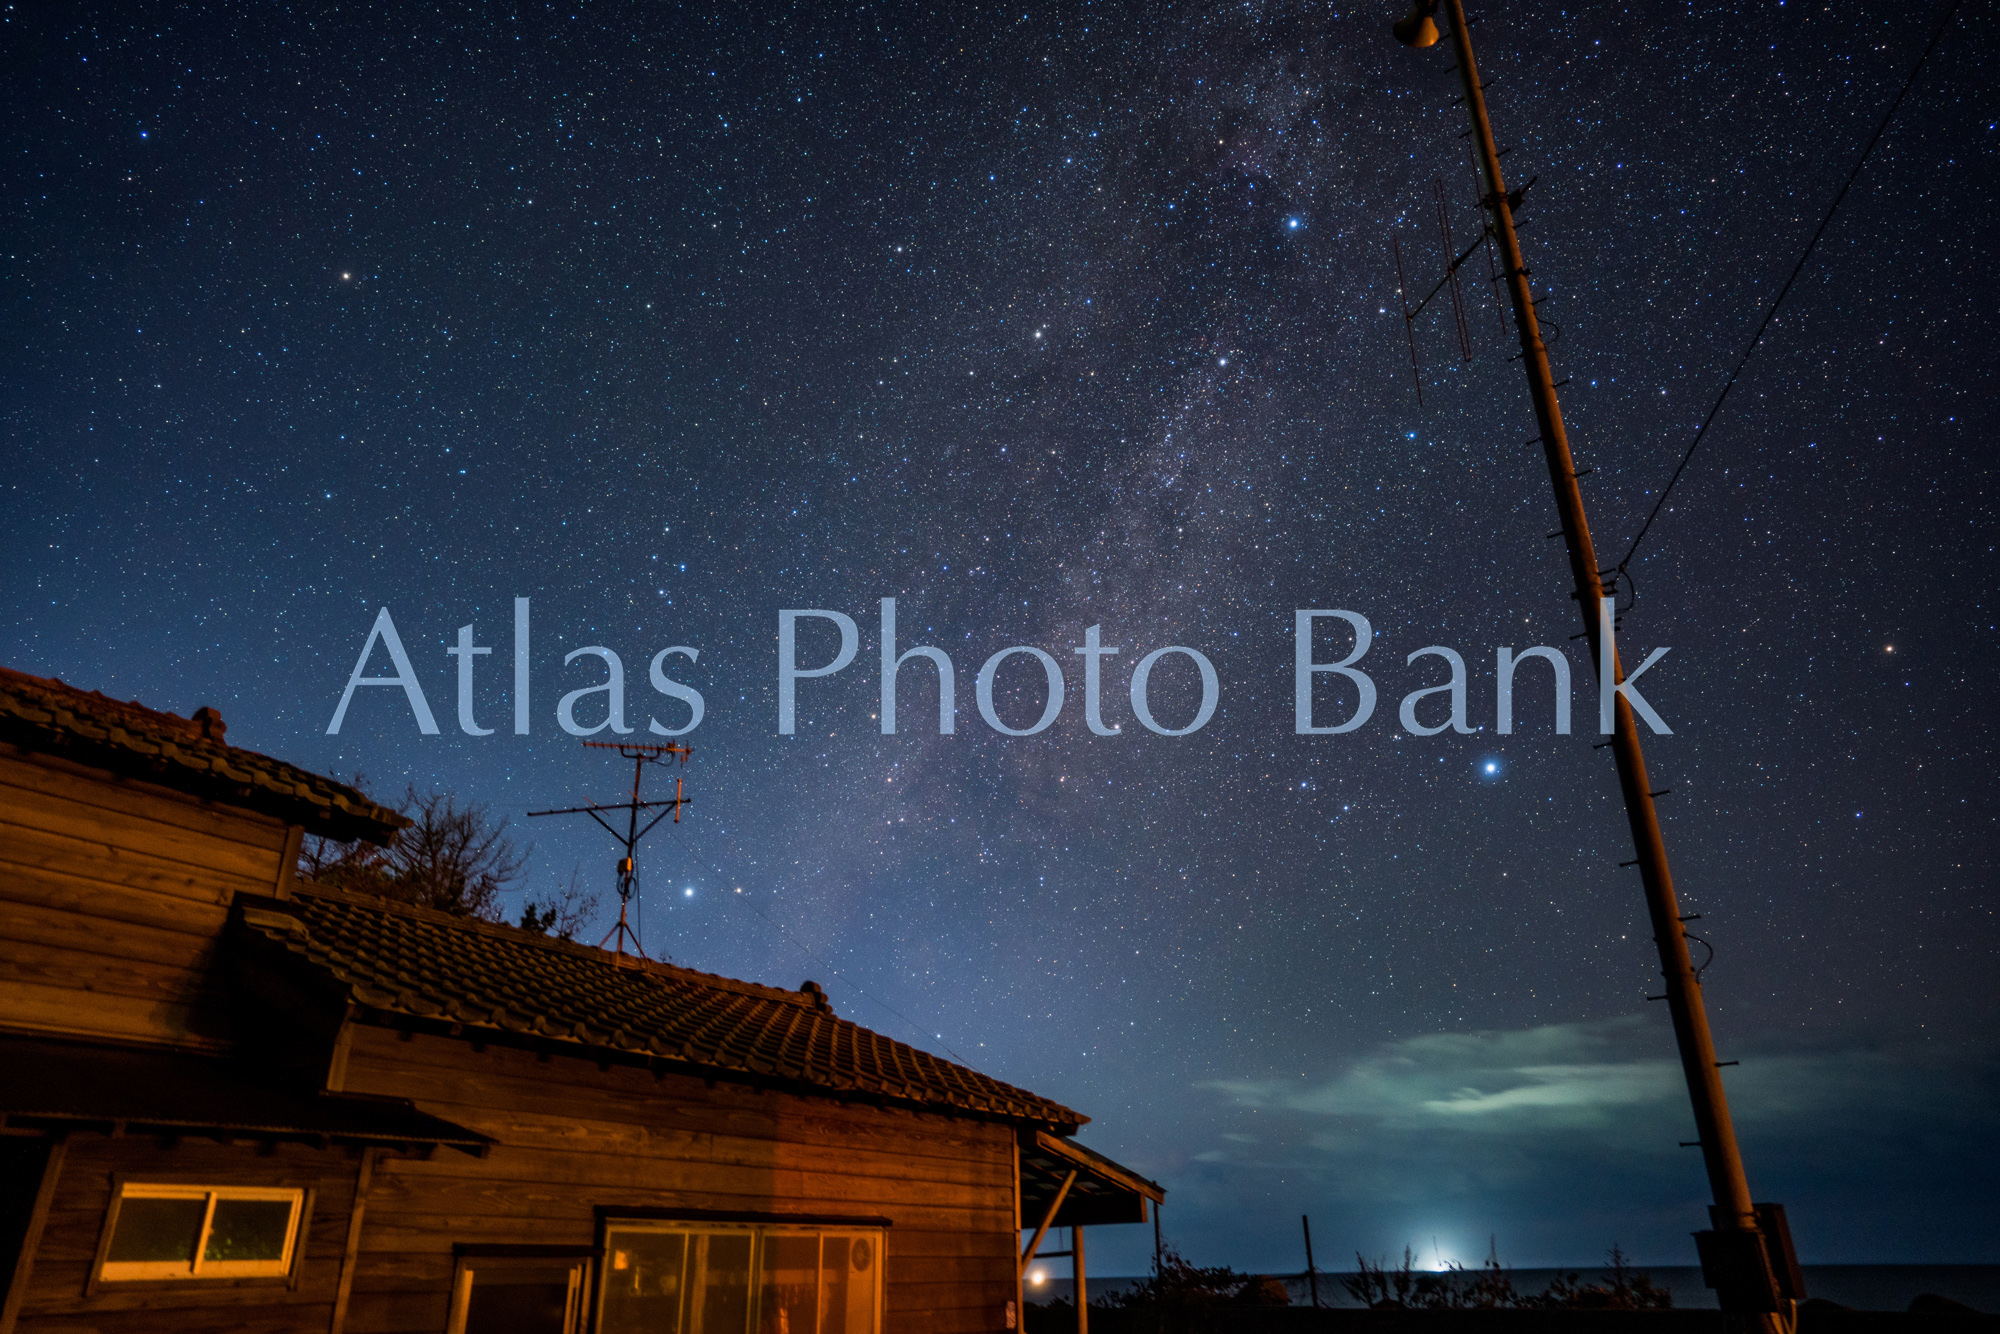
(1036, 319)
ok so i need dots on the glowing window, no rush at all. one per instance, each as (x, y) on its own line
(721, 1278)
(162, 1231)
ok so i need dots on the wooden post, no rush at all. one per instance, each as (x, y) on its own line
(1019, 1315)
(1035, 1244)
(288, 863)
(1312, 1274)
(364, 1179)
(1159, 1273)
(31, 1240)
(1082, 1291)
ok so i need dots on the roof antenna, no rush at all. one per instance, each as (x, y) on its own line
(641, 755)
(1455, 259)
(1451, 273)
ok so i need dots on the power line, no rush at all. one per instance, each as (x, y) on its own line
(1950, 11)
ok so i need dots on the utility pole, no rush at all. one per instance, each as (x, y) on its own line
(1312, 1273)
(1745, 1255)
(641, 754)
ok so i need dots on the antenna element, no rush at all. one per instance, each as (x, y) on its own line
(641, 754)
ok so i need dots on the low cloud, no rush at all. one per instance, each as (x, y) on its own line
(1555, 1076)
(1563, 1138)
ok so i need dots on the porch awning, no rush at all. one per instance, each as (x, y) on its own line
(1102, 1192)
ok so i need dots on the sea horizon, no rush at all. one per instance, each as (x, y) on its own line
(1877, 1287)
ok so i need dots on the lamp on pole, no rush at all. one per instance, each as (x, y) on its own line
(1746, 1253)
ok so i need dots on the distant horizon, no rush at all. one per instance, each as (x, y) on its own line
(1865, 1287)
(687, 328)
(1586, 1269)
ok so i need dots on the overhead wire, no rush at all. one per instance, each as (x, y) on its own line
(1951, 11)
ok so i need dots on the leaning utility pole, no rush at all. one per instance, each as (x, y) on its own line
(1746, 1255)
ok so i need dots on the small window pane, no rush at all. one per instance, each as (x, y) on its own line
(248, 1230)
(788, 1286)
(847, 1286)
(724, 1285)
(642, 1282)
(519, 1300)
(157, 1230)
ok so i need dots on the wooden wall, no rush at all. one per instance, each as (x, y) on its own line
(113, 895)
(56, 1300)
(571, 1137)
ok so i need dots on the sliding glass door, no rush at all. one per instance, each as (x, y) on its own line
(724, 1278)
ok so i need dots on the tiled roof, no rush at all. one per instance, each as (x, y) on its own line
(186, 754)
(401, 960)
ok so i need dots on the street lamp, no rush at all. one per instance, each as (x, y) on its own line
(1746, 1254)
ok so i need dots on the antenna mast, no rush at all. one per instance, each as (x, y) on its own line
(641, 755)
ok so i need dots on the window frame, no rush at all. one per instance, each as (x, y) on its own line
(108, 1273)
(757, 1227)
(471, 1259)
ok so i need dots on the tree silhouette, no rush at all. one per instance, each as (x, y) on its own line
(457, 859)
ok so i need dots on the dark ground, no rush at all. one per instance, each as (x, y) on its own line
(1305, 1320)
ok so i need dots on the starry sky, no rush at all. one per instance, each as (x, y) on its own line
(1046, 316)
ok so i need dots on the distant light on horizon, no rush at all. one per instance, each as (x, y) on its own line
(1361, 1023)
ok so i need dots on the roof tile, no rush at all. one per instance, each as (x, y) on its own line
(189, 755)
(402, 959)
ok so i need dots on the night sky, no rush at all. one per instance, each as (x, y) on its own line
(1049, 316)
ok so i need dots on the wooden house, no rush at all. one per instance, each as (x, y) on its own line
(233, 1100)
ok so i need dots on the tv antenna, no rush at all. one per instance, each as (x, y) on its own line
(641, 754)
(1455, 259)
